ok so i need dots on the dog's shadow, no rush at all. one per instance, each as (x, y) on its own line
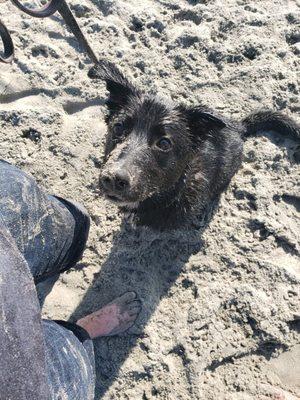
(144, 261)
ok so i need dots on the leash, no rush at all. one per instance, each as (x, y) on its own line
(44, 11)
(7, 43)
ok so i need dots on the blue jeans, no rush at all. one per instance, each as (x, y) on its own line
(40, 236)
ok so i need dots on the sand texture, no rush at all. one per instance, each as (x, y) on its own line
(221, 314)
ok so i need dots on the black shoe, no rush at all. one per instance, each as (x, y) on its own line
(81, 233)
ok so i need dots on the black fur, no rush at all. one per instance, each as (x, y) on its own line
(266, 120)
(163, 160)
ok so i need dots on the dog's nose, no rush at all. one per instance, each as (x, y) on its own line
(117, 182)
(106, 182)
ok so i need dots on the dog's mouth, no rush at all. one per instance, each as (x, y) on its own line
(112, 198)
(122, 202)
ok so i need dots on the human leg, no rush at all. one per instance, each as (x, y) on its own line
(50, 232)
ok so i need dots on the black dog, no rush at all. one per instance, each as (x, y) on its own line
(163, 160)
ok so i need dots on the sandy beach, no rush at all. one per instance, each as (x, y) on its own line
(221, 300)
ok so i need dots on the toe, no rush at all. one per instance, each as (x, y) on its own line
(134, 304)
(134, 313)
(128, 297)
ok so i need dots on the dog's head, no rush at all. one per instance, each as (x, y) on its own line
(150, 141)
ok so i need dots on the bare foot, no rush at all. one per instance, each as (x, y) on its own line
(114, 318)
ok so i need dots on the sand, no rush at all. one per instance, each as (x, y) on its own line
(221, 315)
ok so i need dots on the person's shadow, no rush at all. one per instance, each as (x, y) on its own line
(144, 261)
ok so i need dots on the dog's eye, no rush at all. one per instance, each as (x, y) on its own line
(118, 129)
(164, 144)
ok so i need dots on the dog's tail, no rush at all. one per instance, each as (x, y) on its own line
(266, 120)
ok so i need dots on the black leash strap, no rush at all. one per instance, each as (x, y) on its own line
(62, 7)
(8, 54)
(71, 22)
(45, 11)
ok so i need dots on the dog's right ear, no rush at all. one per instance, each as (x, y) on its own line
(119, 87)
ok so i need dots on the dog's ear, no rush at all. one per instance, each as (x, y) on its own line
(119, 87)
(201, 121)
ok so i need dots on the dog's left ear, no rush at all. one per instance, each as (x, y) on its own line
(202, 121)
(119, 87)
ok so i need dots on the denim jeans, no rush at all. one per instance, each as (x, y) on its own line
(40, 236)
